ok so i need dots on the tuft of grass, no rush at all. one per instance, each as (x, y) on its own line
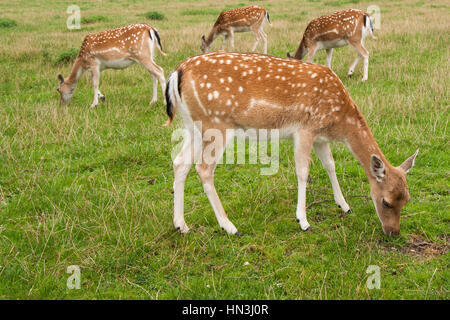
(7, 23)
(66, 56)
(94, 19)
(154, 15)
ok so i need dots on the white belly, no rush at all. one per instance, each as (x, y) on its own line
(332, 44)
(116, 64)
(241, 29)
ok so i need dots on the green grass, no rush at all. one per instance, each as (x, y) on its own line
(154, 15)
(93, 187)
(65, 56)
(94, 19)
(7, 23)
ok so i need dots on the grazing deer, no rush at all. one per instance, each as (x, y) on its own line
(305, 102)
(250, 18)
(114, 49)
(334, 31)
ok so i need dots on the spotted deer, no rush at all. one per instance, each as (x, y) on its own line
(114, 49)
(304, 102)
(337, 30)
(250, 18)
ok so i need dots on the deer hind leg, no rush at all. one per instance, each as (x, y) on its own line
(205, 170)
(323, 151)
(101, 96)
(157, 73)
(95, 76)
(329, 56)
(303, 141)
(155, 89)
(263, 36)
(362, 53)
(181, 165)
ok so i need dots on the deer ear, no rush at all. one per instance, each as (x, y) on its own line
(409, 163)
(60, 78)
(377, 167)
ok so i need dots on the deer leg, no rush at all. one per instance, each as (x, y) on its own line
(257, 37)
(303, 141)
(101, 96)
(157, 73)
(181, 165)
(311, 53)
(205, 170)
(323, 151)
(264, 37)
(95, 76)
(329, 56)
(231, 35)
(362, 53)
(155, 89)
(224, 43)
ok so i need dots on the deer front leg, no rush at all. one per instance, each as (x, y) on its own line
(303, 141)
(231, 35)
(329, 56)
(95, 76)
(311, 53)
(323, 151)
(224, 43)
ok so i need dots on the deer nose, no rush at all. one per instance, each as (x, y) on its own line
(389, 231)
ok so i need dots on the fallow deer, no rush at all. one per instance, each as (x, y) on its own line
(305, 102)
(337, 30)
(250, 18)
(114, 49)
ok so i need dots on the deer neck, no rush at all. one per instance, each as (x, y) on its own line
(362, 144)
(76, 73)
(212, 35)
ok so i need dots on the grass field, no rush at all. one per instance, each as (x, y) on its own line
(93, 187)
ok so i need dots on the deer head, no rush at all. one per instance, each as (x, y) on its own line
(389, 191)
(65, 90)
(205, 45)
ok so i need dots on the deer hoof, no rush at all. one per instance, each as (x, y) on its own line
(102, 98)
(239, 234)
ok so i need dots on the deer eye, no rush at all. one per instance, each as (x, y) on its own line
(386, 204)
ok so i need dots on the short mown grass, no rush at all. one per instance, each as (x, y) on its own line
(93, 187)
